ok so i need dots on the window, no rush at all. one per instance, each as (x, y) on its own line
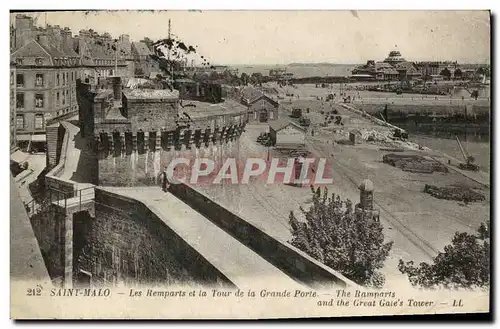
(57, 79)
(39, 80)
(63, 99)
(72, 76)
(263, 103)
(20, 80)
(63, 79)
(39, 124)
(20, 121)
(20, 100)
(19, 61)
(39, 100)
(58, 98)
(67, 77)
(11, 78)
(255, 115)
(271, 115)
(38, 61)
(110, 72)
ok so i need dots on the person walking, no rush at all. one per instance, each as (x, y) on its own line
(164, 181)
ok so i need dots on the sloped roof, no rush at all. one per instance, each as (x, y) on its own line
(54, 52)
(31, 49)
(283, 123)
(249, 92)
(388, 70)
(381, 65)
(99, 52)
(70, 52)
(141, 48)
(36, 49)
(257, 98)
(204, 109)
(405, 65)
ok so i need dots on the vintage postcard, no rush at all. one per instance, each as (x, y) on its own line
(249, 164)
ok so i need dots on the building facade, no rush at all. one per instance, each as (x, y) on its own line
(286, 134)
(100, 55)
(434, 68)
(262, 109)
(143, 62)
(13, 139)
(393, 68)
(45, 89)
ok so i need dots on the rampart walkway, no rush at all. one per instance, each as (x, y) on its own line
(244, 267)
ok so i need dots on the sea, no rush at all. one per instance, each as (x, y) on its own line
(301, 70)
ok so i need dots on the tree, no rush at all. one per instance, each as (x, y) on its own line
(463, 264)
(457, 74)
(256, 78)
(214, 76)
(341, 239)
(244, 78)
(445, 73)
(483, 70)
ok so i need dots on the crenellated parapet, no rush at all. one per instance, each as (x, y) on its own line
(127, 142)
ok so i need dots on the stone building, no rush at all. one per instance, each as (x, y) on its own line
(200, 91)
(100, 56)
(144, 64)
(13, 139)
(261, 108)
(394, 67)
(45, 88)
(133, 133)
(23, 32)
(125, 53)
(434, 68)
(355, 137)
(287, 134)
(407, 71)
(365, 205)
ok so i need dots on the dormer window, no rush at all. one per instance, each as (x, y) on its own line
(19, 61)
(38, 61)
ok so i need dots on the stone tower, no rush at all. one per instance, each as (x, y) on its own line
(366, 195)
(365, 205)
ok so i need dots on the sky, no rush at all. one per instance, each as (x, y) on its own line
(281, 37)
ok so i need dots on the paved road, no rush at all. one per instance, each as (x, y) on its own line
(244, 267)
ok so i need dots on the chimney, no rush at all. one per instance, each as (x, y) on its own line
(24, 30)
(67, 38)
(43, 39)
(116, 83)
(57, 39)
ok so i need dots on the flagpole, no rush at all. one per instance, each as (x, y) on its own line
(116, 60)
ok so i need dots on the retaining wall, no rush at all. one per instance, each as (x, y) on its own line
(130, 243)
(284, 256)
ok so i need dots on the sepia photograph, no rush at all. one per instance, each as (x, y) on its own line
(249, 164)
